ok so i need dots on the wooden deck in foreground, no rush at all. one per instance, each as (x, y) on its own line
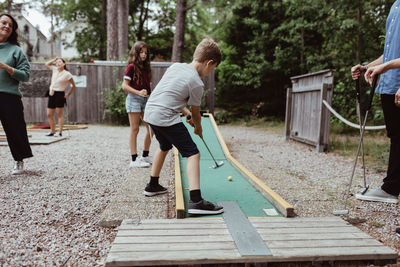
(299, 241)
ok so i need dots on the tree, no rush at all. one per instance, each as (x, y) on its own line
(123, 13)
(179, 36)
(91, 41)
(112, 30)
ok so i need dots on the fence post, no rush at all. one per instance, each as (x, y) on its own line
(288, 115)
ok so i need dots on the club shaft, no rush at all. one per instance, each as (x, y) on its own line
(355, 162)
(209, 151)
(362, 143)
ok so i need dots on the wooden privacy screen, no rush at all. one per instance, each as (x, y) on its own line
(86, 105)
(307, 119)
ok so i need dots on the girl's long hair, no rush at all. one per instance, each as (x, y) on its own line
(139, 66)
(13, 38)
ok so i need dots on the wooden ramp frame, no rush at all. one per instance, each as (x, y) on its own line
(207, 241)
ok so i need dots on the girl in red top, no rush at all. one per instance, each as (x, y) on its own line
(137, 83)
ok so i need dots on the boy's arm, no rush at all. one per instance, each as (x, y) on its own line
(196, 119)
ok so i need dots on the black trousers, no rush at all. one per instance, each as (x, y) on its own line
(391, 183)
(13, 121)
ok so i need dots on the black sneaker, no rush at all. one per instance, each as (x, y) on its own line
(398, 231)
(50, 134)
(204, 207)
(152, 190)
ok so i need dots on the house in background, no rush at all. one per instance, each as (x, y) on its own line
(33, 42)
(65, 44)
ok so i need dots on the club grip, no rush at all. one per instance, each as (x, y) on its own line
(371, 94)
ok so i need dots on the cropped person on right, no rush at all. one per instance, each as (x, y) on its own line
(388, 65)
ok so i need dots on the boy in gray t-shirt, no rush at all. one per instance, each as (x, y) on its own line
(180, 86)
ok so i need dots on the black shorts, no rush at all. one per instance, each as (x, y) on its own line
(57, 100)
(176, 135)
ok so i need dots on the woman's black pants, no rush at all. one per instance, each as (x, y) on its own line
(13, 121)
(391, 183)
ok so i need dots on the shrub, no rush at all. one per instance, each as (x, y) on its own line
(114, 101)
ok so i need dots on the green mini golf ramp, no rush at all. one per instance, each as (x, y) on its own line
(253, 197)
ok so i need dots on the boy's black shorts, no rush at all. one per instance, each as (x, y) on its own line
(57, 100)
(176, 135)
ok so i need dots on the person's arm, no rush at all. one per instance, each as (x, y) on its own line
(72, 88)
(7, 68)
(196, 119)
(381, 68)
(21, 69)
(49, 64)
(358, 70)
(127, 88)
(186, 112)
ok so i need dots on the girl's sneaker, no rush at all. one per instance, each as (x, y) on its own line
(18, 167)
(50, 134)
(146, 159)
(139, 163)
(58, 134)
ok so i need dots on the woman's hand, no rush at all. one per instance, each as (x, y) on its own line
(397, 98)
(357, 70)
(373, 71)
(7, 68)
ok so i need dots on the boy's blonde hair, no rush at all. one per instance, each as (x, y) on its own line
(207, 49)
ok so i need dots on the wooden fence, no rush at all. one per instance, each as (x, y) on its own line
(307, 119)
(86, 105)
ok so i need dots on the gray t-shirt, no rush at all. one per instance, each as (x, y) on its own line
(180, 86)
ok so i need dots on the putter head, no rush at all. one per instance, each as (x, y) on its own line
(340, 212)
(218, 165)
(365, 189)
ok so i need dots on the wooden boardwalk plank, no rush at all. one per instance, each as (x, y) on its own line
(181, 246)
(205, 241)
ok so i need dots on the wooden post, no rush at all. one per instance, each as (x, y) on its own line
(288, 115)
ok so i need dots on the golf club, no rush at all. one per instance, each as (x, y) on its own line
(358, 97)
(216, 164)
(345, 211)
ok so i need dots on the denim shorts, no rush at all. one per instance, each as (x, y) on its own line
(176, 135)
(135, 103)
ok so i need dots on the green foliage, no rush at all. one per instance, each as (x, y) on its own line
(91, 40)
(264, 43)
(114, 101)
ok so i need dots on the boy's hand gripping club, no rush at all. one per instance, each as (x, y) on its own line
(189, 117)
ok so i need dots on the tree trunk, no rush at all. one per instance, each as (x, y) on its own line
(179, 36)
(103, 32)
(123, 13)
(144, 12)
(52, 30)
(112, 30)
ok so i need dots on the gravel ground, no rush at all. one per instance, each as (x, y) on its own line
(314, 183)
(50, 215)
